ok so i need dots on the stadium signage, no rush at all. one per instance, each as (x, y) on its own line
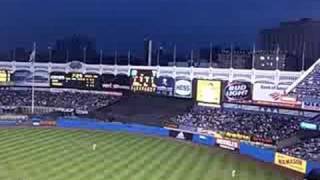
(183, 88)
(309, 126)
(234, 136)
(118, 86)
(75, 65)
(121, 82)
(181, 135)
(270, 94)
(206, 132)
(290, 162)
(171, 125)
(107, 85)
(228, 144)
(262, 140)
(237, 91)
(311, 104)
(143, 80)
(47, 123)
(165, 86)
(188, 128)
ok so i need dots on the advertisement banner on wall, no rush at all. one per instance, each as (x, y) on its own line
(181, 135)
(290, 162)
(236, 136)
(183, 88)
(237, 91)
(268, 141)
(165, 86)
(270, 94)
(208, 91)
(227, 144)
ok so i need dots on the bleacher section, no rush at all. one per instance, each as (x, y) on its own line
(148, 110)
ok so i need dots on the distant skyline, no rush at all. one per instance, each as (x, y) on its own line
(123, 24)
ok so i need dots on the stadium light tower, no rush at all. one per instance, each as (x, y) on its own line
(210, 56)
(85, 54)
(50, 53)
(253, 55)
(101, 56)
(174, 55)
(116, 57)
(303, 56)
(129, 57)
(231, 56)
(149, 53)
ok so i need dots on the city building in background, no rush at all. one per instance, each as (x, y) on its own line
(299, 38)
(270, 60)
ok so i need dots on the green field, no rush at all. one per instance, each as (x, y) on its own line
(55, 154)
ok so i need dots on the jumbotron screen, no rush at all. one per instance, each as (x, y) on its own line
(4, 77)
(75, 81)
(143, 80)
(209, 91)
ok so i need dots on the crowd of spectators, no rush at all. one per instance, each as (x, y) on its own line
(258, 124)
(309, 87)
(74, 100)
(308, 149)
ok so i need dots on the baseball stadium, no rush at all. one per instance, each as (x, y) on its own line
(78, 121)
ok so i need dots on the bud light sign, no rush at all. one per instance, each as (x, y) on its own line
(183, 88)
(237, 91)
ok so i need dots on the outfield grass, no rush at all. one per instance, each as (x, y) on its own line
(55, 154)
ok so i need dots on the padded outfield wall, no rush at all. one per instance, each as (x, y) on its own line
(258, 152)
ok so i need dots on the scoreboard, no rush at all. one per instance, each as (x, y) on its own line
(143, 80)
(82, 81)
(4, 77)
(75, 81)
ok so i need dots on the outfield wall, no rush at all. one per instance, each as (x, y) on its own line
(257, 152)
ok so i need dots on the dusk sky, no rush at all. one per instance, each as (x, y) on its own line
(123, 24)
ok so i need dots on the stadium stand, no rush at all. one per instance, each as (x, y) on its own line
(262, 125)
(145, 109)
(74, 100)
(308, 85)
(307, 149)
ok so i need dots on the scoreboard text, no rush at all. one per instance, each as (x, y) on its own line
(143, 81)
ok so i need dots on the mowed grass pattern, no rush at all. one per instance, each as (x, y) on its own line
(56, 154)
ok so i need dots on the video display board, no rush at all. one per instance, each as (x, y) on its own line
(75, 81)
(237, 91)
(27, 78)
(165, 86)
(183, 87)
(143, 80)
(208, 91)
(5, 77)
